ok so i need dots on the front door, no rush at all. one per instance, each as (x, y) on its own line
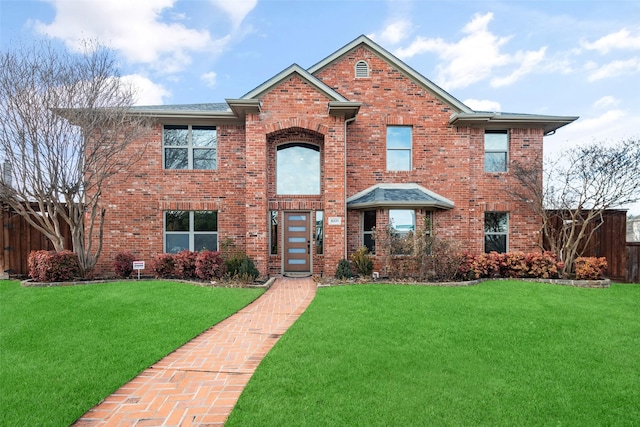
(297, 242)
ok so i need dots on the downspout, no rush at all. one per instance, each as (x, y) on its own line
(346, 122)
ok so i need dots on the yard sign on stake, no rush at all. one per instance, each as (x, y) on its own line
(138, 265)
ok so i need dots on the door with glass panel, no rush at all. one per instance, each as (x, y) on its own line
(297, 242)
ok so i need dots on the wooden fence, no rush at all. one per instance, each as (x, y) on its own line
(17, 239)
(633, 262)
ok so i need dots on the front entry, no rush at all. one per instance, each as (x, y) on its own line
(297, 242)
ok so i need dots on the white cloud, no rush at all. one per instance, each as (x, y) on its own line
(621, 40)
(529, 61)
(148, 92)
(614, 69)
(236, 9)
(135, 29)
(606, 101)
(482, 104)
(209, 78)
(393, 33)
(475, 57)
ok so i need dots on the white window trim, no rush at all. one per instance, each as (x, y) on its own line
(498, 131)
(410, 149)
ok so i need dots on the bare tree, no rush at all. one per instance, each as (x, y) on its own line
(579, 186)
(65, 119)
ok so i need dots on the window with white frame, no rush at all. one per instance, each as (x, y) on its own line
(399, 144)
(402, 223)
(496, 230)
(496, 150)
(298, 169)
(190, 230)
(190, 147)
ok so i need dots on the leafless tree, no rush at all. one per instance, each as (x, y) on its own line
(574, 191)
(65, 119)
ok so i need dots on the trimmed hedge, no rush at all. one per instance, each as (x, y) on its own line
(540, 265)
(123, 264)
(590, 268)
(52, 266)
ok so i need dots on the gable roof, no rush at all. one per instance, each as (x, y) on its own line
(395, 62)
(294, 69)
(408, 195)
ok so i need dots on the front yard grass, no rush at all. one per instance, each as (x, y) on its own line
(500, 353)
(64, 349)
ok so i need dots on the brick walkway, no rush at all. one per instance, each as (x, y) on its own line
(199, 383)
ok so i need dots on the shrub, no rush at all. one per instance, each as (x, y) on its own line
(543, 265)
(362, 261)
(123, 264)
(185, 264)
(343, 271)
(241, 267)
(590, 268)
(209, 265)
(164, 266)
(51, 266)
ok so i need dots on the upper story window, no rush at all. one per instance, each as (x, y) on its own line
(399, 143)
(496, 228)
(496, 150)
(298, 169)
(362, 70)
(190, 147)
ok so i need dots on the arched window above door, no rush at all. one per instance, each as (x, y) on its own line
(298, 169)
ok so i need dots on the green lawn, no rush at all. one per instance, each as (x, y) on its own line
(500, 353)
(63, 349)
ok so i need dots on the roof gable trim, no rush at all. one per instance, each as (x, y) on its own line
(397, 63)
(294, 69)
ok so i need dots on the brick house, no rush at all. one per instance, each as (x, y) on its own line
(299, 171)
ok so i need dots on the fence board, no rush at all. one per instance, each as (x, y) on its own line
(633, 262)
(18, 238)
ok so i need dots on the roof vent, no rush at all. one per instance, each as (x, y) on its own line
(362, 70)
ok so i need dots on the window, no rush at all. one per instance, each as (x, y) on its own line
(190, 230)
(399, 148)
(273, 232)
(190, 147)
(496, 149)
(496, 227)
(319, 232)
(362, 70)
(298, 169)
(402, 223)
(368, 227)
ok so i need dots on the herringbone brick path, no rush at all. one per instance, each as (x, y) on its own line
(199, 383)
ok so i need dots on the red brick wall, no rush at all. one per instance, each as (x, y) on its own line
(447, 160)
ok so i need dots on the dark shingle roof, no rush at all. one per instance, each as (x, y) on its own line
(211, 107)
(398, 195)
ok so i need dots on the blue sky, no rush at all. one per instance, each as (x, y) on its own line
(546, 57)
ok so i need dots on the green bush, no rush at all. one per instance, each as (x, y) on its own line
(241, 267)
(343, 271)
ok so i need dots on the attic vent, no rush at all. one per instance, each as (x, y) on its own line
(362, 69)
